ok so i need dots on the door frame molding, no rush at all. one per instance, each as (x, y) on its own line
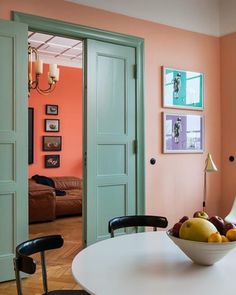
(61, 28)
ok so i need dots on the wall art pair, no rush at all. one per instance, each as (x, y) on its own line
(183, 132)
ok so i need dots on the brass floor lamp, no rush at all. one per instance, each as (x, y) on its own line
(209, 167)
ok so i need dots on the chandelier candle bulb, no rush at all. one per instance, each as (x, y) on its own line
(57, 75)
(50, 80)
(53, 70)
(38, 67)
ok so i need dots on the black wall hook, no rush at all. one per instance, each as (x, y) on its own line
(153, 161)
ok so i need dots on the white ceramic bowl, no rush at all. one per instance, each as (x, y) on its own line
(202, 252)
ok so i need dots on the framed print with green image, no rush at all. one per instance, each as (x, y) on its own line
(182, 89)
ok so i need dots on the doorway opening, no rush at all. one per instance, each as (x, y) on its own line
(56, 144)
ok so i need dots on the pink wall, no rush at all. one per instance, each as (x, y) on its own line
(68, 97)
(174, 186)
(228, 95)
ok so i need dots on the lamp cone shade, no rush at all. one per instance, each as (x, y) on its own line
(210, 165)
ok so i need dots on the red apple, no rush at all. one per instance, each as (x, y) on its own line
(201, 214)
(218, 223)
(183, 219)
(228, 226)
(176, 228)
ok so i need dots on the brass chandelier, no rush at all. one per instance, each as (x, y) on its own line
(33, 83)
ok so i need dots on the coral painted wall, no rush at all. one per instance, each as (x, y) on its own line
(228, 95)
(68, 97)
(174, 186)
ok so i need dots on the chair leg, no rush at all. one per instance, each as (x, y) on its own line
(18, 278)
(44, 272)
(112, 233)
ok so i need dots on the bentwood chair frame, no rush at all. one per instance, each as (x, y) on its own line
(135, 221)
(24, 263)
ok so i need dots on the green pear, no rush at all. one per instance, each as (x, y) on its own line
(196, 229)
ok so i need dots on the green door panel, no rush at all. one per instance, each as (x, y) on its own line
(13, 143)
(111, 133)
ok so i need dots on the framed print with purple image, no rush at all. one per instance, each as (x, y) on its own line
(183, 133)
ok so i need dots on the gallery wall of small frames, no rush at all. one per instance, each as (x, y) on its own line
(51, 143)
(182, 132)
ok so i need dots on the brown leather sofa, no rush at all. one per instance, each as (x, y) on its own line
(44, 205)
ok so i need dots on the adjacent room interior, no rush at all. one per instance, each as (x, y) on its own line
(55, 140)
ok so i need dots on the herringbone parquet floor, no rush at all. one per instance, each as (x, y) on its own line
(58, 261)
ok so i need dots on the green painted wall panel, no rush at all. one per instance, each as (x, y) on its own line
(6, 81)
(7, 161)
(111, 201)
(111, 94)
(115, 162)
(7, 227)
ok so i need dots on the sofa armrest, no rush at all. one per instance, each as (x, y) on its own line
(42, 194)
(36, 187)
(42, 205)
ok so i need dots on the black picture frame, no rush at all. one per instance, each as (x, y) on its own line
(52, 161)
(52, 125)
(51, 109)
(52, 143)
(30, 136)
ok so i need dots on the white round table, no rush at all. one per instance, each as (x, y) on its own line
(151, 264)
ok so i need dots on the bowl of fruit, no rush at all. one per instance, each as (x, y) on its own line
(204, 240)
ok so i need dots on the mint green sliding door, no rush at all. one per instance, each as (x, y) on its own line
(13, 143)
(110, 103)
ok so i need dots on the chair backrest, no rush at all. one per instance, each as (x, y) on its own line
(23, 262)
(136, 220)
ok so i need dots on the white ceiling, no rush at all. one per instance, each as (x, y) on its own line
(227, 17)
(212, 17)
(58, 50)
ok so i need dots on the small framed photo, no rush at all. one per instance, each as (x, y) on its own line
(52, 125)
(183, 133)
(52, 161)
(182, 89)
(51, 109)
(52, 143)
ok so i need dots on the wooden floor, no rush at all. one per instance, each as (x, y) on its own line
(58, 261)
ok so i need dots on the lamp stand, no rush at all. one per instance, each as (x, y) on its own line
(204, 193)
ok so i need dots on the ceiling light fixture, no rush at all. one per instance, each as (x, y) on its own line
(53, 74)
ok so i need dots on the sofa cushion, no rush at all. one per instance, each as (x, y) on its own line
(69, 205)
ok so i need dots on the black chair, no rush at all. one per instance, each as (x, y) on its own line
(136, 220)
(24, 263)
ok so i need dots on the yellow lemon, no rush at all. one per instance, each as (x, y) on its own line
(215, 238)
(231, 234)
(224, 239)
(196, 229)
